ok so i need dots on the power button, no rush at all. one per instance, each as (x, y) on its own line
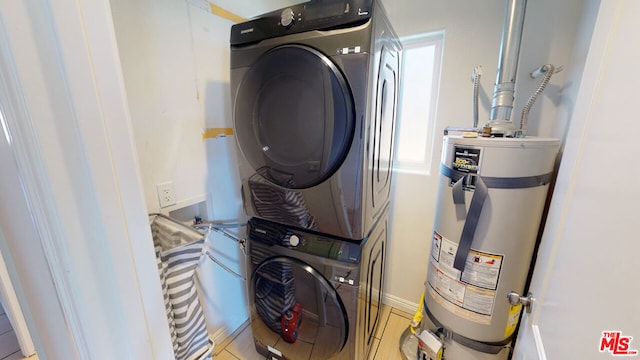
(294, 240)
(287, 17)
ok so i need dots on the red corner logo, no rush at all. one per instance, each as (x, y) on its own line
(617, 344)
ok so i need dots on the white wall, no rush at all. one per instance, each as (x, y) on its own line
(167, 93)
(472, 37)
(175, 61)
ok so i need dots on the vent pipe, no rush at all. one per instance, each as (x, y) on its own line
(503, 93)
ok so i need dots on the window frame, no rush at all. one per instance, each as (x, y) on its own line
(436, 39)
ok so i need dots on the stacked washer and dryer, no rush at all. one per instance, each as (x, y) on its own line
(315, 90)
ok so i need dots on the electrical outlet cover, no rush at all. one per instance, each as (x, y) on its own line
(166, 194)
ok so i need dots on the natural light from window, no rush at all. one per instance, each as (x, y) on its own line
(417, 103)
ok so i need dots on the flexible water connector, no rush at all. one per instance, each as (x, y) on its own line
(417, 317)
(547, 71)
(477, 74)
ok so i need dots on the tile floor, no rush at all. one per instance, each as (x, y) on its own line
(9, 347)
(239, 346)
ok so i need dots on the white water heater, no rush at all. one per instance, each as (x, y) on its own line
(492, 192)
(491, 197)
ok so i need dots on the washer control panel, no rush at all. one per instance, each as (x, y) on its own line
(272, 234)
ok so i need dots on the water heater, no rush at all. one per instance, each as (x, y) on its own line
(491, 196)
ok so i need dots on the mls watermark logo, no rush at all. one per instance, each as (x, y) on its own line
(617, 344)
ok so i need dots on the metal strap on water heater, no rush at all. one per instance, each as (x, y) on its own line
(482, 186)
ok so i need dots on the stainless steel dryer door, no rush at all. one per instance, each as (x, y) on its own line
(297, 303)
(294, 116)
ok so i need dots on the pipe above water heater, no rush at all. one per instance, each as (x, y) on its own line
(503, 94)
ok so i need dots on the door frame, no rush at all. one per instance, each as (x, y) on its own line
(70, 141)
(557, 236)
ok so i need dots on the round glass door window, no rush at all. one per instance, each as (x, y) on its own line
(298, 304)
(294, 116)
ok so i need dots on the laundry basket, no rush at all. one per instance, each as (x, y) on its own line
(178, 251)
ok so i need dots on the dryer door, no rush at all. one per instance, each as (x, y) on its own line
(305, 314)
(383, 129)
(294, 116)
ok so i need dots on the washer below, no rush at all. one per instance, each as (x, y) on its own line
(313, 296)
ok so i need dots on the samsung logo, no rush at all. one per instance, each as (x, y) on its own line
(246, 31)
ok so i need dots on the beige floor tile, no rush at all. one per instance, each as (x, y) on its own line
(384, 317)
(385, 346)
(403, 314)
(5, 325)
(299, 350)
(220, 346)
(374, 349)
(328, 343)
(8, 344)
(263, 332)
(242, 346)
(224, 355)
(308, 330)
(15, 356)
(389, 347)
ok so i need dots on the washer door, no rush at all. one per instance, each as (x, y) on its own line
(301, 306)
(294, 116)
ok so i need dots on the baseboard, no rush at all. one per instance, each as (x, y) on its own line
(399, 303)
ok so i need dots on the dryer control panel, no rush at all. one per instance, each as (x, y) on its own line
(312, 15)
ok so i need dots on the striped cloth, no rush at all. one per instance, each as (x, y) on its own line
(162, 271)
(178, 252)
(274, 289)
(279, 204)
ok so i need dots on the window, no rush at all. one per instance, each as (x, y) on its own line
(421, 58)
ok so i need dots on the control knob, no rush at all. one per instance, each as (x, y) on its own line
(294, 240)
(287, 18)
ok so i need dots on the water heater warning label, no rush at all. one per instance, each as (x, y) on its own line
(470, 295)
(482, 270)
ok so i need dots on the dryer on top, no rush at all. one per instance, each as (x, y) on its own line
(314, 91)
